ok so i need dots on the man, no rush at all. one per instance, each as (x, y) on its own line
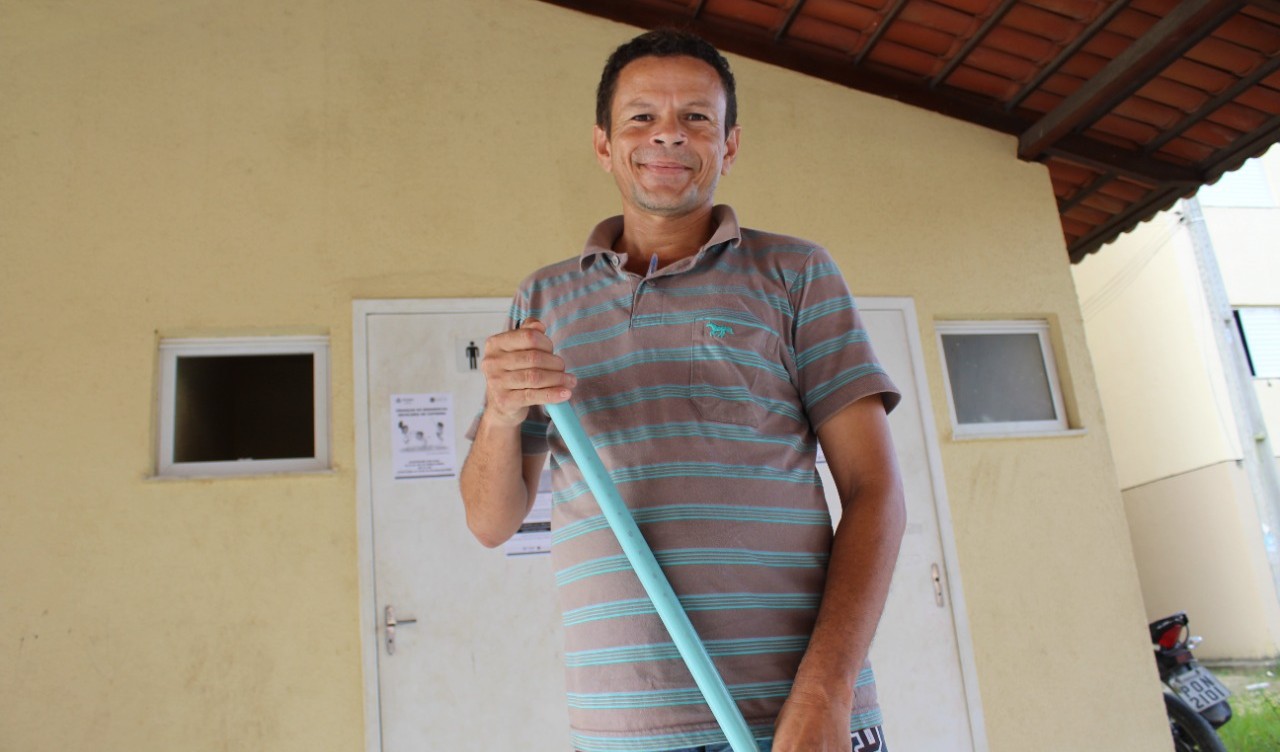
(704, 360)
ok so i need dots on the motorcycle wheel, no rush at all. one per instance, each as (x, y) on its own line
(1191, 732)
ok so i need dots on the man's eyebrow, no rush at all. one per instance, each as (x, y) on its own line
(641, 103)
(637, 102)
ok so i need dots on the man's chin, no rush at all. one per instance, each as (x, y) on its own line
(669, 207)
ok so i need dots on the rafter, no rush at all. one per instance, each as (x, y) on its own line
(996, 16)
(1140, 168)
(1090, 31)
(1189, 22)
(1085, 192)
(790, 19)
(1238, 88)
(886, 20)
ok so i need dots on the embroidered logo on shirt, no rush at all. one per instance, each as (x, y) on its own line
(718, 330)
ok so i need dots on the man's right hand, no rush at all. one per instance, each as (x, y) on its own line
(521, 369)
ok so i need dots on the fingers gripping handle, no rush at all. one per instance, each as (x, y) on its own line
(655, 582)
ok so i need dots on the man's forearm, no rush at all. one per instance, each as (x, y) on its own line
(863, 554)
(494, 490)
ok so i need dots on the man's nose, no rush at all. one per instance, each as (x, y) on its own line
(669, 132)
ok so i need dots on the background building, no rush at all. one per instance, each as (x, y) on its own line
(1183, 318)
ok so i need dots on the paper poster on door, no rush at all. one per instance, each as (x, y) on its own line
(422, 440)
(534, 535)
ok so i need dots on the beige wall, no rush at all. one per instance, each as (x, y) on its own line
(240, 167)
(1158, 371)
(1199, 551)
(1244, 241)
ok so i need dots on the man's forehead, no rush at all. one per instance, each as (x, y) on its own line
(644, 77)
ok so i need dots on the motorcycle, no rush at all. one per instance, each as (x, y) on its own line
(1195, 700)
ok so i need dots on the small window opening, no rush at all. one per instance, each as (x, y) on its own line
(243, 406)
(1001, 377)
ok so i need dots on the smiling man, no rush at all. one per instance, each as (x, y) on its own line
(708, 361)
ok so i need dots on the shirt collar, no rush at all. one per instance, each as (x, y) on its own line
(600, 241)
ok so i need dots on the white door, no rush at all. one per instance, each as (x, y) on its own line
(923, 674)
(479, 668)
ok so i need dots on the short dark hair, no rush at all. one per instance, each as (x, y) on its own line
(664, 43)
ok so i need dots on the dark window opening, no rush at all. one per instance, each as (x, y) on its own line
(239, 407)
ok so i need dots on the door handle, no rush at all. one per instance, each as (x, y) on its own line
(937, 585)
(391, 623)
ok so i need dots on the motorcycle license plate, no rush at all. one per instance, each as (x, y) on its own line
(1199, 688)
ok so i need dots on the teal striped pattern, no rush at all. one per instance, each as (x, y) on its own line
(689, 470)
(830, 347)
(686, 392)
(700, 385)
(690, 429)
(745, 358)
(667, 651)
(700, 512)
(693, 603)
(669, 697)
(714, 557)
(596, 743)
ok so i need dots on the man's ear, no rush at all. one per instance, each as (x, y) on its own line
(604, 150)
(731, 149)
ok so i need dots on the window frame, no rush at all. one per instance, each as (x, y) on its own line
(1259, 340)
(173, 348)
(1038, 327)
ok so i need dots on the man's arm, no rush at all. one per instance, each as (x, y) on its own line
(859, 451)
(499, 483)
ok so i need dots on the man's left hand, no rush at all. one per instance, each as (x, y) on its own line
(811, 723)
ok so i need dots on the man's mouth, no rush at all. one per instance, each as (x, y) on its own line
(663, 167)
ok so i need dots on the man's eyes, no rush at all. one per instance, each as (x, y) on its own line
(645, 117)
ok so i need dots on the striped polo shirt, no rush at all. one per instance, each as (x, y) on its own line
(701, 386)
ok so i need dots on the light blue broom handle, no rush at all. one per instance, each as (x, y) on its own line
(655, 582)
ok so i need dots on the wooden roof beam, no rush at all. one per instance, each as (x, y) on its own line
(886, 21)
(790, 19)
(1189, 22)
(1139, 168)
(1067, 52)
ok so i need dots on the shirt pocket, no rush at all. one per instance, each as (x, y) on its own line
(731, 367)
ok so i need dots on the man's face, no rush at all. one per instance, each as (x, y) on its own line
(668, 147)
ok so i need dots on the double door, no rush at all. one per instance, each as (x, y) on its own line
(462, 644)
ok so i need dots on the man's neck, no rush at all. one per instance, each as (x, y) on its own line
(670, 238)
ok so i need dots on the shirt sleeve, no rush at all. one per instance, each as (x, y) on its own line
(835, 363)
